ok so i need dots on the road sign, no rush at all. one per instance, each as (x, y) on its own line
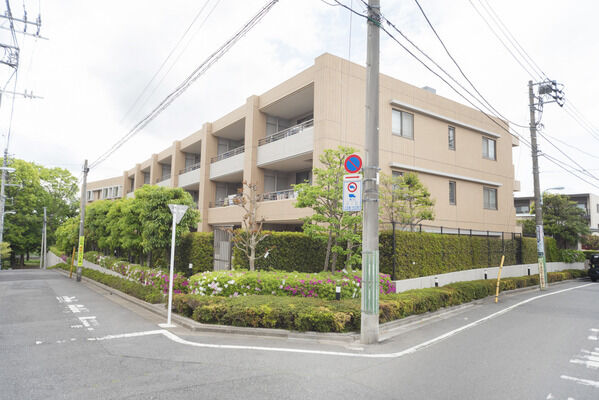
(178, 211)
(353, 163)
(352, 192)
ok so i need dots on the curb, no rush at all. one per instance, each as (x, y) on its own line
(387, 330)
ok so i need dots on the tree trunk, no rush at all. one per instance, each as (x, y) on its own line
(328, 254)
(27, 255)
(252, 257)
(22, 260)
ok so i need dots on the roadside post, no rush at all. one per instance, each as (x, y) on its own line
(178, 211)
(72, 264)
(499, 278)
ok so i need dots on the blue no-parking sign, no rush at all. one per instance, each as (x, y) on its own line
(353, 163)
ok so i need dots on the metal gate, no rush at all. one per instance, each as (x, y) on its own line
(222, 248)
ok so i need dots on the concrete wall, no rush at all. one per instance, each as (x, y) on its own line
(479, 273)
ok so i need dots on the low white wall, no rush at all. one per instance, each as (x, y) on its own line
(479, 273)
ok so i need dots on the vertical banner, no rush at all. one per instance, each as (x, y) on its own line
(80, 252)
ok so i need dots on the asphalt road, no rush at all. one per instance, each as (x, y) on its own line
(60, 339)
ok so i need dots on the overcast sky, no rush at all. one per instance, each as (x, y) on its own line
(101, 55)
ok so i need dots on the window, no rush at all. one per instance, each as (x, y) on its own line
(451, 137)
(146, 178)
(90, 195)
(396, 174)
(490, 198)
(191, 159)
(452, 193)
(489, 149)
(402, 124)
(598, 207)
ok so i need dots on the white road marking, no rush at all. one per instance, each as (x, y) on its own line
(549, 396)
(398, 354)
(587, 363)
(38, 342)
(77, 308)
(88, 322)
(586, 382)
(594, 330)
(592, 338)
(66, 299)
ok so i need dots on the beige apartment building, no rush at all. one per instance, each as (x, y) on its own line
(275, 140)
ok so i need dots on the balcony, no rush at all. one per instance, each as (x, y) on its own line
(280, 195)
(164, 181)
(227, 201)
(289, 145)
(190, 175)
(228, 164)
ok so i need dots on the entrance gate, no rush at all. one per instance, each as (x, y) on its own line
(222, 248)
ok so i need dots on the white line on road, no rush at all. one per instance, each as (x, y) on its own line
(586, 382)
(402, 353)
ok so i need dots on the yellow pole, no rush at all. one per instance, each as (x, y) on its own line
(499, 277)
(72, 262)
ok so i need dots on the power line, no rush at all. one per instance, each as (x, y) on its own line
(199, 71)
(460, 69)
(165, 60)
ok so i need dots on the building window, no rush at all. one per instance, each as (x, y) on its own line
(452, 193)
(451, 137)
(146, 178)
(490, 198)
(598, 207)
(396, 174)
(402, 124)
(489, 149)
(90, 195)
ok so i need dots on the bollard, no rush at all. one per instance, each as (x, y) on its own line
(190, 266)
(528, 271)
(338, 293)
(436, 282)
(485, 274)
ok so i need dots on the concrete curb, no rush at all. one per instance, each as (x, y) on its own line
(387, 330)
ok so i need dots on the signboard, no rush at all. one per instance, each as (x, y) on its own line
(352, 192)
(178, 211)
(80, 253)
(353, 164)
(540, 234)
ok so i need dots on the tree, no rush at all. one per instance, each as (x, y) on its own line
(413, 201)
(563, 220)
(250, 235)
(529, 227)
(325, 197)
(96, 224)
(67, 234)
(156, 218)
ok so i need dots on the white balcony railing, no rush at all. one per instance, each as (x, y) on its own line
(279, 195)
(286, 132)
(228, 154)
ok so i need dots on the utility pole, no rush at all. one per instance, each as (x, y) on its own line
(537, 190)
(82, 222)
(5, 169)
(369, 332)
(44, 243)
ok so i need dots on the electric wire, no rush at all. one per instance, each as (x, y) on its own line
(195, 18)
(460, 69)
(199, 71)
(514, 133)
(575, 148)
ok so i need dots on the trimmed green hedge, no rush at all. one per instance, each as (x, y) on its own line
(309, 314)
(196, 248)
(147, 293)
(288, 251)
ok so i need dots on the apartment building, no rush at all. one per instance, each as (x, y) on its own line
(588, 202)
(275, 140)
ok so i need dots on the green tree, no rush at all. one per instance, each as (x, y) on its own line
(156, 218)
(529, 227)
(61, 197)
(563, 220)
(413, 201)
(325, 197)
(67, 234)
(96, 225)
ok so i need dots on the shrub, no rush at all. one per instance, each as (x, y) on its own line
(313, 314)
(288, 251)
(196, 248)
(146, 293)
(282, 283)
(572, 256)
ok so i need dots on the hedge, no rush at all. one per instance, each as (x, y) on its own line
(196, 248)
(146, 293)
(288, 251)
(310, 314)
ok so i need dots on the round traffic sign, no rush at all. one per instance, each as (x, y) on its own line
(353, 163)
(352, 187)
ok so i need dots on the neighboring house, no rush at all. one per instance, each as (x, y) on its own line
(275, 140)
(588, 202)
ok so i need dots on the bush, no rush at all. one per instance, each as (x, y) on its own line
(281, 283)
(196, 248)
(146, 293)
(288, 251)
(310, 314)
(572, 256)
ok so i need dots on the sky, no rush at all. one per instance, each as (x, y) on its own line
(101, 55)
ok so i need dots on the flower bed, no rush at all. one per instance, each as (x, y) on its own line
(281, 283)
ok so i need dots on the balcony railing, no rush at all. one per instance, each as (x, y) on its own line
(228, 154)
(163, 178)
(280, 195)
(191, 168)
(286, 133)
(227, 201)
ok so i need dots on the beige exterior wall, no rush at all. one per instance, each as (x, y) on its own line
(337, 105)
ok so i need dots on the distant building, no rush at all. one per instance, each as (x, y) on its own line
(275, 140)
(588, 202)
